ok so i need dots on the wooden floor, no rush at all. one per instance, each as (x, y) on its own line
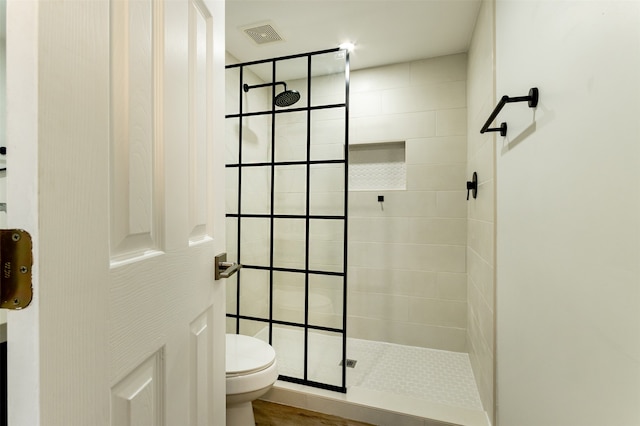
(271, 414)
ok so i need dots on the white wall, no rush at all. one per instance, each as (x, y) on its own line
(568, 214)
(481, 211)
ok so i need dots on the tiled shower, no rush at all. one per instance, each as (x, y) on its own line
(407, 254)
(407, 211)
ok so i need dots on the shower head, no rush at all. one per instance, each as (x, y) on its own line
(287, 98)
(284, 99)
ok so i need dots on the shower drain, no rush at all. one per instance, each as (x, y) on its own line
(351, 363)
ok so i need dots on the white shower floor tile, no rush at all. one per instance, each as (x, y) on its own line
(437, 376)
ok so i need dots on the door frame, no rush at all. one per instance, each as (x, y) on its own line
(23, 333)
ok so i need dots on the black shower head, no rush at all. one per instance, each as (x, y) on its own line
(287, 98)
(284, 99)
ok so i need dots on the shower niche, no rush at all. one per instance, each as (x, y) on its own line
(377, 166)
(287, 174)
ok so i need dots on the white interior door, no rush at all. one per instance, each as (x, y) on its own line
(116, 122)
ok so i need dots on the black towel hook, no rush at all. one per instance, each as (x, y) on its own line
(531, 99)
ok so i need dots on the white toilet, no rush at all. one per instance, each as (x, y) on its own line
(251, 371)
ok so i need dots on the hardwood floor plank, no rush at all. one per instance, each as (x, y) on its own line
(272, 414)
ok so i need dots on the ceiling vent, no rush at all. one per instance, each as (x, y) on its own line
(263, 34)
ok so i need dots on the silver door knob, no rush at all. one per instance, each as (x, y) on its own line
(224, 269)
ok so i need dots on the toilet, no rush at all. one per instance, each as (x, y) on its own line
(251, 371)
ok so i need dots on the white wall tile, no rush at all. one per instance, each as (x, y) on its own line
(424, 98)
(448, 313)
(482, 275)
(382, 306)
(483, 207)
(364, 104)
(391, 128)
(436, 177)
(481, 238)
(380, 230)
(437, 150)
(408, 333)
(451, 203)
(394, 281)
(481, 211)
(438, 70)
(374, 79)
(396, 203)
(452, 286)
(451, 122)
(437, 231)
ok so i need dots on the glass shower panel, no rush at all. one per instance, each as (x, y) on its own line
(293, 73)
(256, 190)
(231, 284)
(232, 91)
(288, 343)
(327, 190)
(288, 297)
(327, 85)
(290, 190)
(325, 357)
(286, 164)
(231, 194)
(259, 98)
(291, 136)
(326, 300)
(255, 241)
(256, 139)
(326, 245)
(230, 324)
(231, 228)
(289, 243)
(254, 293)
(259, 329)
(328, 135)
(232, 132)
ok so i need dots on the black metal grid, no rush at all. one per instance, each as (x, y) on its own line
(307, 217)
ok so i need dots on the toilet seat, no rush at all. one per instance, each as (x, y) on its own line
(247, 355)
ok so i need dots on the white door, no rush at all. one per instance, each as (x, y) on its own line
(116, 119)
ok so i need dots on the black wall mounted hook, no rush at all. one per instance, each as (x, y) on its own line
(472, 186)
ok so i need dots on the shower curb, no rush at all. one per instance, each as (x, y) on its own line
(358, 405)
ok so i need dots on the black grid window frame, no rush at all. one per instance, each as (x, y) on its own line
(307, 217)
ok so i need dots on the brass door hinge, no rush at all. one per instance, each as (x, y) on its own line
(16, 259)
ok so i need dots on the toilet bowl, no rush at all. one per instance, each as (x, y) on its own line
(251, 371)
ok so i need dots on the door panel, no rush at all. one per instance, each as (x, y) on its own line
(200, 104)
(129, 327)
(136, 126)
(137, 399)
(161, 293)
(200, 374)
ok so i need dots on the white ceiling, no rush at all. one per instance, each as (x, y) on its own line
(384, 31)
